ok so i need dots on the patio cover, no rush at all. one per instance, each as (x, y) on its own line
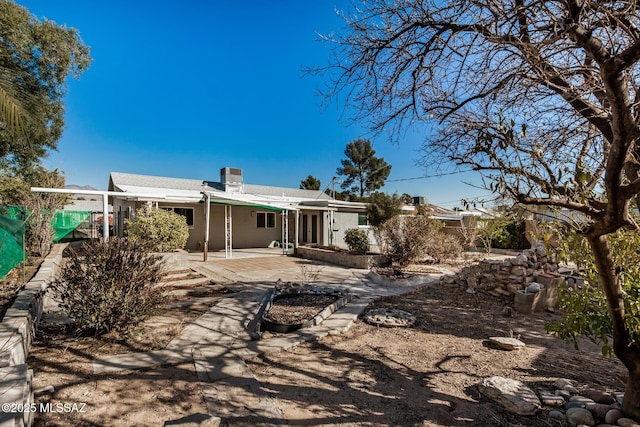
(192, 196)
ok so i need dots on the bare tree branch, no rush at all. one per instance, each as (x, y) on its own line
(541, 97)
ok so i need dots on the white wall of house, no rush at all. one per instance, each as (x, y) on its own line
(247, 230)
(250, 231)
(346, 220)
(251, 227)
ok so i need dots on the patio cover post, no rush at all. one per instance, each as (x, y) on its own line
(297, 231)
(207, 210)
(228, 232)
(105, 217)
(285, 232)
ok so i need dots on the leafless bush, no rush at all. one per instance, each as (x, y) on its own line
(109, 286)
(409, 239)
(443, 246)
(405, 239)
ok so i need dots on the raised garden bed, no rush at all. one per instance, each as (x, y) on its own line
(341, 257)
(292, 307)
(290, 312)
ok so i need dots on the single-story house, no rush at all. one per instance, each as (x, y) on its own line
(230, 213)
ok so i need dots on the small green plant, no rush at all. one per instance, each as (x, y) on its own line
(158, 230)
(357, 241)
(586, 309)
(491, 231)
(109, 286)
(503, 232)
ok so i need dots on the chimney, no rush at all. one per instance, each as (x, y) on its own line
(231, 179)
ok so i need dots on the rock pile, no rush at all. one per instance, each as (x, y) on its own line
(505, 277)
(389, 317)
(588, 407)
(565, 405)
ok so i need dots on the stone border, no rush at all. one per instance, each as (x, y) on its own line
(416, 279)
(17, 330)
(342, 258)
(389, 318)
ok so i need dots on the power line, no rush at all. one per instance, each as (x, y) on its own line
(429, 176)
(468, 198)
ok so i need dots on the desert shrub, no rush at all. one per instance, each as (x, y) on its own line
(442, 246)
(109, 286)
(412, 238)
(158, 230)
(405, 239)
(504, 232)
(491, 231)
(469, 232)
(357, 241)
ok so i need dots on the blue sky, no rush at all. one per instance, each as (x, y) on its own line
(183, 89)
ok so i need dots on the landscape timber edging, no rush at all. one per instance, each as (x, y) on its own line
(17, 330)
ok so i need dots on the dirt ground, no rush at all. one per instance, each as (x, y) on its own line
(425, 375)
(11, 284)
(128, 398)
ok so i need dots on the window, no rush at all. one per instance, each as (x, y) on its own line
(266, 219)
(185, 212)
(362, 219)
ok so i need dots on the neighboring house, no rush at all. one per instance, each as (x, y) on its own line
(240, 215)
(567, 216)
(453, 221)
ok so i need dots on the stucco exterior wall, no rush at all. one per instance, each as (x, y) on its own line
(245, 231)
(346, 220)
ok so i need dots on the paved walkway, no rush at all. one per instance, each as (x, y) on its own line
(218, 341)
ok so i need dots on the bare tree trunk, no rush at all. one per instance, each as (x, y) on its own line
(627, 350)
(631, 403)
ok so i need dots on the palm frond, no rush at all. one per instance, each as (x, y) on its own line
(11, 114)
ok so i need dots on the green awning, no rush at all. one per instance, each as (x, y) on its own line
(250, 205)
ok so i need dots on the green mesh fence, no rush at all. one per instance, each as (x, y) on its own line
(64, 222)
(11, 238)
(12, 231)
